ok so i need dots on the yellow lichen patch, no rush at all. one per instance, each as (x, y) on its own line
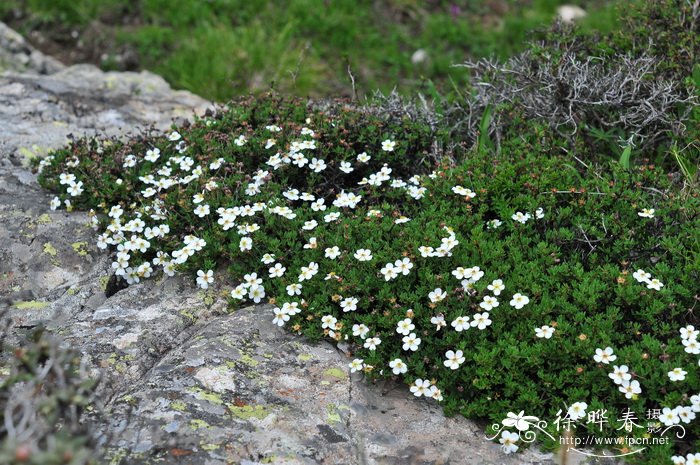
(178, 405)
(103, 282)
(209, 447)
(335, 373)
(248, 360)
(247, 412)
(50, 249)
(201, 394)
(199, 424)
(333, 415)
(43, 219)
(30, 305)
(305, 357)
(80, 248)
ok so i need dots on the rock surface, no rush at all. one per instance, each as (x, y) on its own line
(191, 383)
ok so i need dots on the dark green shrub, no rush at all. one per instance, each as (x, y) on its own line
(571, 238)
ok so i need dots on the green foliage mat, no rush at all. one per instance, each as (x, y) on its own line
(352, 229)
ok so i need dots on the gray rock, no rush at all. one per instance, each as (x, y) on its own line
(188, 381)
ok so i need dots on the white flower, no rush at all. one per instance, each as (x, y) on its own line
(389, 272)
(240, 140)
(677, 374)
(420, 387)
(55, 203)
(641, 276)
(496, 287)
(620, 374)
(245, 244)
(454, 359)
(695, 402)
(604, 355)
(328, 321)
(205, 279)
(332, 252)
(519, 301)
(692, 346)
(356, 365)
(669, 416)
(521, 217)
(349, 304)
(239, 292)
(459, 190)
(630, 388)
(692, 459)
(280, 317)
(493, 224)
(268, 258)
(294, 289)
(174, 136)
(317, 165)
(308, 272)
(404, 266)
(655, 284)
(460, 323)
(398, 367)
(201, 210)
(646, 213)
(363, 255)
(152, 155)
(345, 167)
(481, 320)
(75, 189)
(388, 145)
(508, 441)
(689, 332)
(277, 270)
(411, 342)
(577, 410)
(439, 322)
(256, 293)
(273, 128)
(686, 414)
(66, 179)
(405, 327)
(489, 303)
(545, 331)
(371, 343)
(363, 157)
(678, 460)
(437, 295)
(360, 330)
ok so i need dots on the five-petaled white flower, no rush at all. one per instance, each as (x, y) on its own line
(420, 387)
(405, 326)
(460, 323)
(398, 367)
(496, 286)
(604, 355)
(630, 388)
(437, 295)
(205, 279)
(519, 300)
(489, 303)
(620, 374)
(356, 365)
(677, 374)
(481, 320)
(363, 255)
(646, 213)
(508, 441)
(577, 410)
(277, 270)
(388, 145)
(545, 331)
(411, 342)
(454, 359)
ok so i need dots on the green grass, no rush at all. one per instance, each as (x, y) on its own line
(224, 48)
